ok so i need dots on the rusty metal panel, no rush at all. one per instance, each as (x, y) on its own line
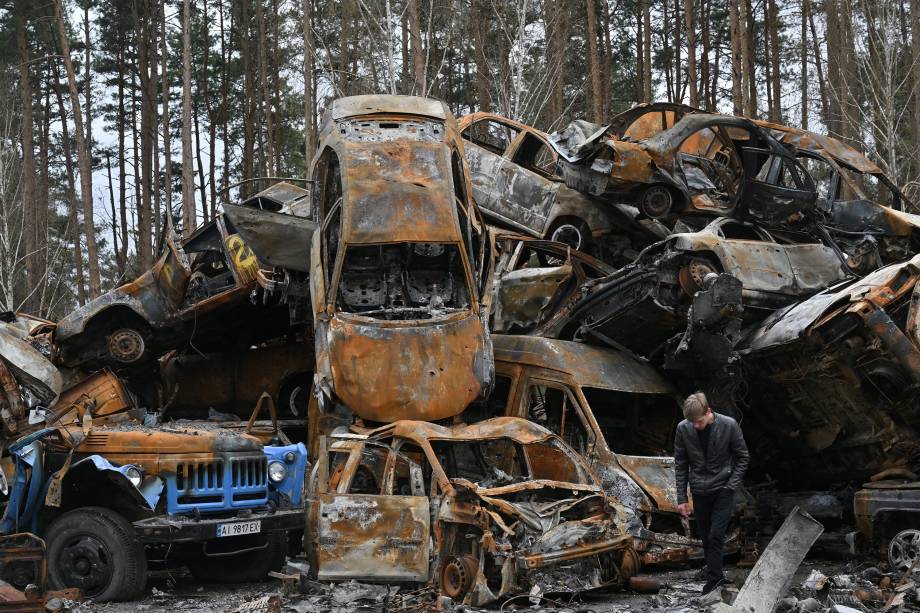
(655, 475)
(377, 538)
(411, 369)
(372, 104)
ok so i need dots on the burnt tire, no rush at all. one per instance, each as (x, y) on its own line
(126, 346)
(573, 232)
(243, 567)
(94, 549)
(657, 201)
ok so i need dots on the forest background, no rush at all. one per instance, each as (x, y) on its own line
(113, 111)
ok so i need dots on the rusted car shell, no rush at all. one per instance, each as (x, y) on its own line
(820, 143)
(590, 366)
(834, 380)
(397, 155)
(763, 266)
(347, 534)
(414, 370)
(645, 120)
(580, 365)
(538, 205)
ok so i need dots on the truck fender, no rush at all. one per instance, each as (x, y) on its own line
(146, 495)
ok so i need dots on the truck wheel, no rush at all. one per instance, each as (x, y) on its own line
(94, 549)
(242, 567)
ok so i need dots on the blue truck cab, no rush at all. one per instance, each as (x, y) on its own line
(114, 500)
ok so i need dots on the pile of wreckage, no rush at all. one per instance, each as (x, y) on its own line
(454, 358)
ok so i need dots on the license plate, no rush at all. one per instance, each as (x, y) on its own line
(239, 528)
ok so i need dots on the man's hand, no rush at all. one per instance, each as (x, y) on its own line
(684, 509)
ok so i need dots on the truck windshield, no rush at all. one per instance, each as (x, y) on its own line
(634, 424)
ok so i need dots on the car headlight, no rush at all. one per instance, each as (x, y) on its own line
(277, 471)
(134, 475)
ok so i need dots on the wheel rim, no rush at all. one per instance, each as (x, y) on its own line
(457, 576)
(692, 275)
(568, 234)
(85, 562)
(657, 202)
(126, 345)
(902, 550)
(298, 400)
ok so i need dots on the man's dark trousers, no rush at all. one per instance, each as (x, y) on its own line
(713, 512)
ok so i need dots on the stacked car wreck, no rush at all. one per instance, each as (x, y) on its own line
(488, 410)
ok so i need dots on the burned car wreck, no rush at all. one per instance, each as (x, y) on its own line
(400, 264)
(480, 511)
(516, 183)
(702, 164)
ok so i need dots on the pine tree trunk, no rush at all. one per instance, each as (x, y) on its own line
(34, 274)
(188, 178)
(419, 85)
(164, 101)
(152, 95)
(706, 93)
(594, 65)
(915, 47)
(122, 177)
(73, 220)
(479, 22)
(689, 12)
(144, 223)
(776, 112)
(646, 51)
(249, 102)
(803, 34)
(112, 212)
(309, 99)
(749, 73)
(819, 67)
(266, 152)
(43, 204)
(83, 156)
(737, 39)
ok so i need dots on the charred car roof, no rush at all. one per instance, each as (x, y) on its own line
(376, 104)
(590, 366)
(396, 172)
(788, 324)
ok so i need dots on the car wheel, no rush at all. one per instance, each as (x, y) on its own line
(294, 399)
(656, 201)
(243, 567)
(904, 549)
(94, 549)
(693, 274)
(126, 345)
(572, 232)
(457, 576)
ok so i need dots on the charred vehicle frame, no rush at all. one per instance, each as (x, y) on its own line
(505, 504)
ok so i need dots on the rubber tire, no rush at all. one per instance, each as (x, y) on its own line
(245, 567)
(582, 228)
(129, 562)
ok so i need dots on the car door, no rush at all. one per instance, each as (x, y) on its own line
(526, 187)
(751, 255)
(775, 190)
(378, 537)
(487, 140)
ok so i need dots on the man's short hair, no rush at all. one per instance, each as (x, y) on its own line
(695, 406)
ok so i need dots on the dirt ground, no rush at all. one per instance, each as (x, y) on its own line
(680, 592)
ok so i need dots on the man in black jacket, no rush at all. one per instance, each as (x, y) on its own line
(710, 454)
